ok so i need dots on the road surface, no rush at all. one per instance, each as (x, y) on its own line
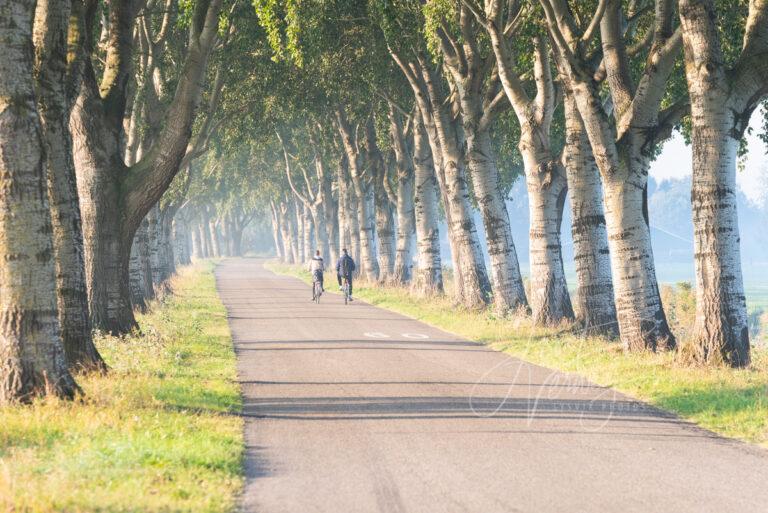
(357, 409)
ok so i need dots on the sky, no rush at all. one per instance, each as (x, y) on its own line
(675, 162)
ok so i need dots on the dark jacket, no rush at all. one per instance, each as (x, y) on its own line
(345, 266)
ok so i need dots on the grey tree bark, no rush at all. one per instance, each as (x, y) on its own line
(722, 101)
(428, 277)
(404, 199)
(472, 286)
(479, 99)
(116, 197)
(623, 149)
(32, 357)
(276, 232)
(362, 181)
(384, 204)
(595, 308)
(53, 83)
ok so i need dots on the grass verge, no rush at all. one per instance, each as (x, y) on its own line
(731, 402)
(159, 432)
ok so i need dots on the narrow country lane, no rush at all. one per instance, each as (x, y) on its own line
(357, 409)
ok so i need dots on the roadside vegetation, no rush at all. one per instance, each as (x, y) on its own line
(731, 402)
(159, 432)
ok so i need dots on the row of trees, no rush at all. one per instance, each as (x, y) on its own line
(394, 115)
(134, 133)
(102, 105)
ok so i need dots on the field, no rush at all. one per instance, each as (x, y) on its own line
(733, 403)
(159, 433)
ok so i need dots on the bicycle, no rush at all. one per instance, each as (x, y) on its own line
(317, 291)
(345, 289)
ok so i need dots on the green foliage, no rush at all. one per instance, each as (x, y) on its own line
(160, 432)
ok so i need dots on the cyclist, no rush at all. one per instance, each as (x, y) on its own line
(316, 266)
(344, 269)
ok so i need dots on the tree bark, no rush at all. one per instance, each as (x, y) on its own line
(622, 151)
(50, 37)
(428, 278)
(362, 180)
(136, 270)
(197, 245)
(116, 197)
(722, 101)
(276, 235)
(472, 286)
(383, 204)
(595, 308)
(404, 200)
(32, 357)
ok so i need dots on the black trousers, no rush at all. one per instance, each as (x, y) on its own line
(349, 280)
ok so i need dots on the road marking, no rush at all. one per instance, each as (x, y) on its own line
(376, 334)
(415, 335)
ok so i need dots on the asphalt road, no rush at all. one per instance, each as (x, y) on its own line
(357, 409)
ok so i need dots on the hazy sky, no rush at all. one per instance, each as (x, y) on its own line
(675, 162)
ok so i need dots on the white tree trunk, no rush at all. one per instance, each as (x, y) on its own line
(595, 308)
(642, 322)
(385, 232)
(428, 278)
(406, 228)
(721, 105)
(507, 282)
(547, 188)
(474, 288)
(32, 358)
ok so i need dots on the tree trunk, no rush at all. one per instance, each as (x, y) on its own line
(155, 244)
(166, 226)
(145, 255)
(32, 357)
(404, 199)
(98, 161)
(136, 271)
(329, 208)
(595, 308)
(213, 234)
(363, 183)
(197, 246)
(288, 225)
(306, 220)
(642, 322)
(474, 289)
(181, 238)
(507, 282)
(385, 232)
(321, 231)
(51, 26)
(547, 188)
(276, 236)
(116, 197)
(722, 102)
(205, 237)
(405, 227)
(623, 162)
(428, 277)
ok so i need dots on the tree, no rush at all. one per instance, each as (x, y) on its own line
(32, 358)
(55, 82)
(115, 196)
(724, 91)
(624, 143)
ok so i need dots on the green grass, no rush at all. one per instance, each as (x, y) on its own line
(733, 403)
(159, 433)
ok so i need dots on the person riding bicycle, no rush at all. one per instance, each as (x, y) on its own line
(344, 269)
(316, 266)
